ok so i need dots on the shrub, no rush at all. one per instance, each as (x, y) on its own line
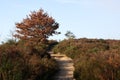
(20, 62)
(102, 66)
(94, 59)
(41, 68)
(12, 66)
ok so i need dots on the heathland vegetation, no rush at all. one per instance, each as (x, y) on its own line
(26, 57)
(94, 59)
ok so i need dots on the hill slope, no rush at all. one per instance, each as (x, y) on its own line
(94, 59)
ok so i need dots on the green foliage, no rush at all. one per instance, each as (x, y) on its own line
(70, 35)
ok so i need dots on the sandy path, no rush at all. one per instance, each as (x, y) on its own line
(66, 67)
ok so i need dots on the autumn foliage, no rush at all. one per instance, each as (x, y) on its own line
(37, 27)
(26, 58)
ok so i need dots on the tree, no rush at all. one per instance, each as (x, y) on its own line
(37, 27)
(70, 35)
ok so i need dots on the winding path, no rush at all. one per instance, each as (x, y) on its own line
(66, 67)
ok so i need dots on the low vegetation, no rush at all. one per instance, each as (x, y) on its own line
(18, 62)
(94, 59)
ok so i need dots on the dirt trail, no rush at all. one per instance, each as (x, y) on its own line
(66, 67)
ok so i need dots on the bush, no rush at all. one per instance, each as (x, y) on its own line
(41, 68)
(20, 62)
(102, 66)
(94, 59)
(12, 66)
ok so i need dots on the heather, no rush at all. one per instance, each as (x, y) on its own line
(94, 59)
(19, 62)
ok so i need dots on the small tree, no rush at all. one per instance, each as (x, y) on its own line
(37, 27)
(70, 35)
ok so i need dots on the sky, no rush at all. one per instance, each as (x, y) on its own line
(85, 18)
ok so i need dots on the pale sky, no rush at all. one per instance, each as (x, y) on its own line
(85, 18)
